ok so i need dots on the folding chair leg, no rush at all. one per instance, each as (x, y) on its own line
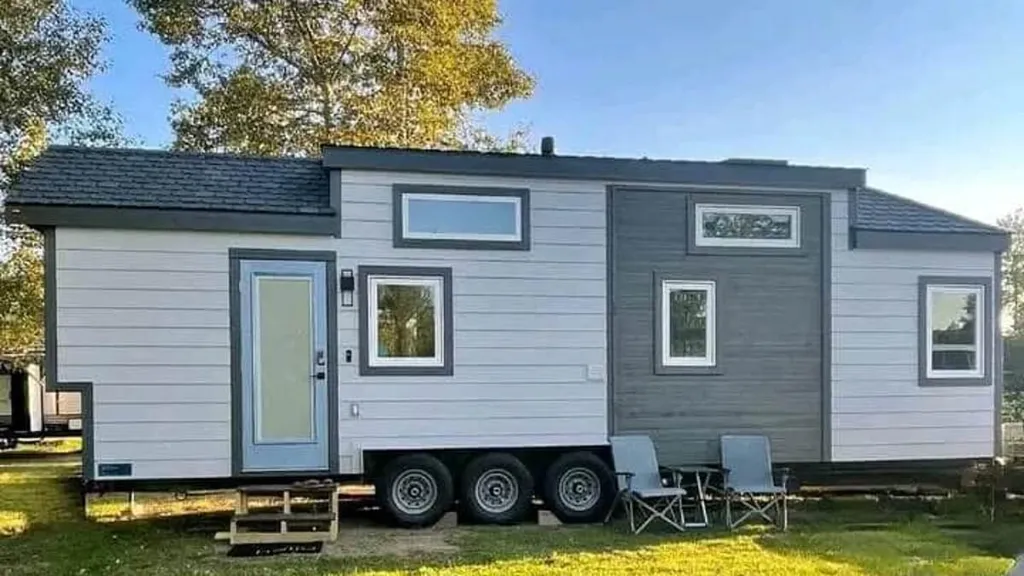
(784, 514)
(630, 513)
(728, 511)
(611, 509)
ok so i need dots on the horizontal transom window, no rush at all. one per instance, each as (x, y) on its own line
(954, 328)
(461, 218)
(741, 225)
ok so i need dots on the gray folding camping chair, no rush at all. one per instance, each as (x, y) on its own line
(747, 473)
(641, 491)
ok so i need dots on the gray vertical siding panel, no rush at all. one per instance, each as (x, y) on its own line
(770, 367)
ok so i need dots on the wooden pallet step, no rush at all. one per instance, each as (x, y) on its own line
(280, 538)
(271, 489)
(285, 517)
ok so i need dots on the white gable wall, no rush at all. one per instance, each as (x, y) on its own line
(879, 412)
(530, 344)
(144, 316)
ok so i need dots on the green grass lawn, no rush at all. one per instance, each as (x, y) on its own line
(43, 531)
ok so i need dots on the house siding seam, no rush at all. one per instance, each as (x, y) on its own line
(144, 315)
(879, 411)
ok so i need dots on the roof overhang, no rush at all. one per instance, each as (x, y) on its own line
(610, 170)
(957, 241)
(45, 215)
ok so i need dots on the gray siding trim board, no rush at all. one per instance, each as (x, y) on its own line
(609, 249)
(892, 240)
(988, 347)
(997, 351)
(746, 200)
(235, 256)
(851, 216)
(50, 303)
(39, 215)
(589, 168)
(826, 328)
(400, 241)
(53, 382)
(659, 367)
(334, 183)
(365, 369)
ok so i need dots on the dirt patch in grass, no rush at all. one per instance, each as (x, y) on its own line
(367, 542)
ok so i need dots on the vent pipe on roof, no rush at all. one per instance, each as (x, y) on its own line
(547, 146)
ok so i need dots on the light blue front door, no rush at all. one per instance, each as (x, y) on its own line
(284, 365)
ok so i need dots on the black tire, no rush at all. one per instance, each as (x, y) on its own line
(496, 489)
(578, 488)
(405, 486)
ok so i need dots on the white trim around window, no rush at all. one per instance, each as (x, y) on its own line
(515, 202)
(436, 288)
(790, 212)
(708, 358)
(977, 347)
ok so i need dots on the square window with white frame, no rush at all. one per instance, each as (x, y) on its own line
(752, 226)
(954, 329)
(405, 321)
(688, 321)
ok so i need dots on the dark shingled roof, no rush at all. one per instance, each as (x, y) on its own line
(135, 178)
(878, 210)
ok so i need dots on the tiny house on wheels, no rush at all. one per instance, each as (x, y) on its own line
(474, 326)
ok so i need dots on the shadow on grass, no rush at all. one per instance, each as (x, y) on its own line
(53, 536)
(911, 536)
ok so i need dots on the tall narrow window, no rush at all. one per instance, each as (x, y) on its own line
(687, 323)
(954, 328)
(405, 321)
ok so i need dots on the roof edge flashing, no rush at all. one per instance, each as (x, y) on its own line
(194, 220)
(610, 170)
(873, 239)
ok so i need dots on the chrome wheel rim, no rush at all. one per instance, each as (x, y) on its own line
(496, 491)
(414, 491)
(579, 489)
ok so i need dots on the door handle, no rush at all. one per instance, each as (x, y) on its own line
(320, 375)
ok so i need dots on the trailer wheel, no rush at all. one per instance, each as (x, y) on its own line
(415, 490)
(497, 489)
(578, 487)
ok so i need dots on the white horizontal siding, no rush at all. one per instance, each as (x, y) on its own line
(528, 325)
(879, 412)
(144, 316)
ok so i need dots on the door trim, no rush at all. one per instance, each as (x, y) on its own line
(330, 258)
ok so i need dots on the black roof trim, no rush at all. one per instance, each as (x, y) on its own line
(942, 241)
(39, 215)
(610, 170)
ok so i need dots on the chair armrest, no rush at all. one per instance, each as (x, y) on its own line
(629, 479)
(725, 477)
(786, 474)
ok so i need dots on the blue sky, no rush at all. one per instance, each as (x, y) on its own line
(928, 95)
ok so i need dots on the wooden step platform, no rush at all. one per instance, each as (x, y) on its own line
(289, 526)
